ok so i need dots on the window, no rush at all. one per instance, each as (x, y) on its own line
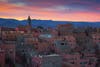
(65, 59)
(72, 62)
(0, 65)
(62, 43)
(83, 62)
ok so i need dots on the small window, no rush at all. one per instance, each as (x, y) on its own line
(72, 62)
(62, 43)
(0, 65)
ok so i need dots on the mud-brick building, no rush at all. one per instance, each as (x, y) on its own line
(65, 29)
(2, 58)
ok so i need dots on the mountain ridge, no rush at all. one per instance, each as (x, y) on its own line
(45, 23)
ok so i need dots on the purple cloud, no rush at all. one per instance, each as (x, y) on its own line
(58, 5)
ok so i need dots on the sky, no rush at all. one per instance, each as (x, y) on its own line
(60, 10)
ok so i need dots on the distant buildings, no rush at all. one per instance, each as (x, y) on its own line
(64, 46)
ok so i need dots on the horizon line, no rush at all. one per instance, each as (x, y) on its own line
(50, 20)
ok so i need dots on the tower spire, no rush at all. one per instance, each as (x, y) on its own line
(29, 23)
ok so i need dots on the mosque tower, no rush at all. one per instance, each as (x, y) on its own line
(29, 24)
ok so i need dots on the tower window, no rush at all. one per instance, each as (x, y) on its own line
(62, 43)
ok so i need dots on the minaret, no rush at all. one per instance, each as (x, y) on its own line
(29, 21)
(29, 24)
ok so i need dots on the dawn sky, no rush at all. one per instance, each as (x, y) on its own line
(64, 10)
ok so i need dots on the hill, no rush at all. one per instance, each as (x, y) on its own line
(45, 23)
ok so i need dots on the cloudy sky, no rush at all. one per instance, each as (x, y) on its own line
(64, 10)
